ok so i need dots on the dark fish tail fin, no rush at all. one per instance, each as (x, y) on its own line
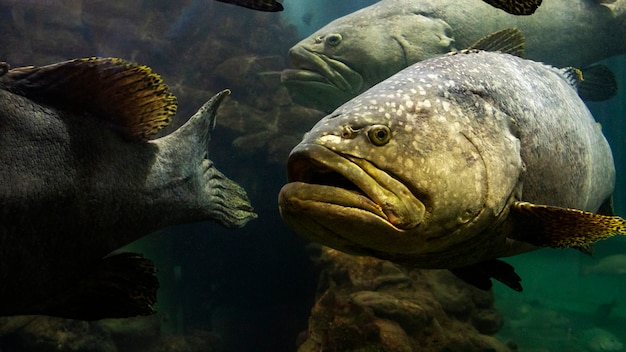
(556, 227)
(120, 286)
(508, 41)
(226, 201)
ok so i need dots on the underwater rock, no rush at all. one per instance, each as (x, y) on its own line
(141, 334)
(369, 304)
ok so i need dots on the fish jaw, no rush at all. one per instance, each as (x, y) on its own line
(319, 79)
(348, 203)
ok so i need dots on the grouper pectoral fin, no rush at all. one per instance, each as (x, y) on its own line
(555, 227)
(130, 97)
(480, 274)
(119, 286)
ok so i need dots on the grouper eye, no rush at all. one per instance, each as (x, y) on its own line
(379, 134)
(333, 39)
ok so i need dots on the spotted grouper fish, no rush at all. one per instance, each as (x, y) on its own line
(80, 178)
(453, 162)
(350, 54)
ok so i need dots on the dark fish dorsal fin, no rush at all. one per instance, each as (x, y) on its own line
(516, 7)
(131, 97)
(508, 41)
(556, 227)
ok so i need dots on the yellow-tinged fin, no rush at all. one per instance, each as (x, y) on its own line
(516, 7)
(130, 96)
(556, 227)
(508, 41)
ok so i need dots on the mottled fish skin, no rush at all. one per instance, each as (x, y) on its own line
(432, 158)
(259, 5)
(73, 189)
(354, 52)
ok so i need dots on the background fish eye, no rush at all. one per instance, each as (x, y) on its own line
(333, 39)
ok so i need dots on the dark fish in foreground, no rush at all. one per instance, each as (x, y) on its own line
(259, 5)
(80, 179)
(516, 7)
(454, 162)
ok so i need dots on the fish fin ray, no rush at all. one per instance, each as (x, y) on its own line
(598, 84)
(509, 41)
(516, 7)
(549, 226)
(131, 97)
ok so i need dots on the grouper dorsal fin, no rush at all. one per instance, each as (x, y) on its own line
(131, 97)
(597, 83)
(556, 227)
(508, 41)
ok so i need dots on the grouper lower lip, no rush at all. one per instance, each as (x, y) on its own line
(318, 68)
(321, 175)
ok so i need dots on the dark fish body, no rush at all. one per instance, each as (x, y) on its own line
(77, 184)
(431, 167)
(352, 53)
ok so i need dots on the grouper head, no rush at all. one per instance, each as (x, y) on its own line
(354, 52)
(407, 172)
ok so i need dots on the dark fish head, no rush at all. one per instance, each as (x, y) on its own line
(391, 173)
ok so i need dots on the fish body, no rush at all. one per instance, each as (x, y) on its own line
(429, 168)
(600, 340)
(80, 179)
(612, 265)
(354, 52)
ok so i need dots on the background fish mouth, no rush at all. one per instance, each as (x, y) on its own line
(313, 67)
(353, 183)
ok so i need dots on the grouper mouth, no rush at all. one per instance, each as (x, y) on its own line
(317, 76)
(344, 196)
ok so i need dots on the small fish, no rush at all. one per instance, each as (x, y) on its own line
(455, 162)
(600, 340)
(612, 265)
(259, 5)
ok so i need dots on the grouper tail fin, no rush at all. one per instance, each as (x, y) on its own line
(555, 227)
(222, 199)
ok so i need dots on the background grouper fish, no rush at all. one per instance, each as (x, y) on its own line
(453, 162)
(354, 52)
(80, 179)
